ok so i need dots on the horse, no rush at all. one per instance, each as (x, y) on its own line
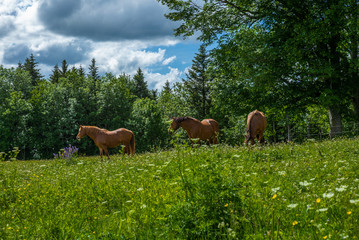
(105, 139)
(256, 125)
(206, 129)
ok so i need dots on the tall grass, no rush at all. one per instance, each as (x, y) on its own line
(284, 191)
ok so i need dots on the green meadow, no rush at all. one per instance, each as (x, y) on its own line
(282, 191)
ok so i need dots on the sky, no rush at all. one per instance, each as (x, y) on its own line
(122, 36)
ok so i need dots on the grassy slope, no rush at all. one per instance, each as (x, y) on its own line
(307, 191)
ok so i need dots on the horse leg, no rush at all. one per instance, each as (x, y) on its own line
(261, 137)
(215, 141)
(101, 152)
(107, 154)
(128, 147)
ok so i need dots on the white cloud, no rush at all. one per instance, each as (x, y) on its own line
(158, 80)
(23, 31)
(168, 60)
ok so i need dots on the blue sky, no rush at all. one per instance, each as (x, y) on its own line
(121, 35)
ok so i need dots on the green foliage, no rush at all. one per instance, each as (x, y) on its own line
(10, 156)
(147, 124)
(212, 207)
(284, 191)
(140, 88)
(285, 54)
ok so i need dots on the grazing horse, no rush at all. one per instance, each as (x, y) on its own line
(256, 124)
(105, 139)
(206, 129)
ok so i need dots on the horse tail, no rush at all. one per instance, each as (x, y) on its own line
(132, 144)
(249, 125)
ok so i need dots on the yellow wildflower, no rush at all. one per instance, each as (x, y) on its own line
(226, 205)
(318, 200)
(295, 223)
(274, 196)
(350, 212)
(325, 237)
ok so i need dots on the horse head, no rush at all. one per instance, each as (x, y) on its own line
(174, 125)
(81, 133)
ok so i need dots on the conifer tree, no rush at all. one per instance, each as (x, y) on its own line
(56, 73)
(64, 68)
(81, 71)
(93, 70)
(197, 84)
(30, 65)
(167, 87)
(140, 88)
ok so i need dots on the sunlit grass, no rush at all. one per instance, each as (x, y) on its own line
(307, 191)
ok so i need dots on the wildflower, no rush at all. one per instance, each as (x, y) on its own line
(295, 223)
(341, 188)
(350, 212)
(318, 200)
(274, 196)
(328, 195)
(293, 205)
(226, 205)
(304, 184)
(325, 237)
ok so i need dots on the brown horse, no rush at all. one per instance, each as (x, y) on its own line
(207, 129)
(105, 139)
(256, 124)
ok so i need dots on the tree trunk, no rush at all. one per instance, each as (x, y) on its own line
(288, 129)
(335, 119)
(356, 105)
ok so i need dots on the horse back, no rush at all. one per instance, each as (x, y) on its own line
(211, 124)
(256, 122)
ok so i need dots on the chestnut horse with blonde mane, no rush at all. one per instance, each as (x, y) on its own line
(206, 129)
(256, 125)
(105, 139)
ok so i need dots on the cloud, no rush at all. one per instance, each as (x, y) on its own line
(157, 80)
(73, 52)
(6, 25)
(15, 53)
(169, 60)
(106, 20)
(121, 35)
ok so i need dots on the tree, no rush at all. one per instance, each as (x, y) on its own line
(140, 88)
(64, 67)
(56, 73)
(310, 34)
(198, 84)
(93, 71)
(30, 65)
(149, 127)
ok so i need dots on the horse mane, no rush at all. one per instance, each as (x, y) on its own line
(181, 119)
(95, 129)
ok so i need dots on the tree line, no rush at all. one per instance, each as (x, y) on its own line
(295, 61)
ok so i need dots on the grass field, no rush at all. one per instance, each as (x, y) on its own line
(284, 191)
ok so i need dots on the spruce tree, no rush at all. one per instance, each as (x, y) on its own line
(140, 88)
(93, 70)
(197, 84)
(167, 87)
(56, 73)
(64, 68)
(30, 65)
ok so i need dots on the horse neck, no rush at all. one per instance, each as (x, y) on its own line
(92, 132)
(189, 124)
